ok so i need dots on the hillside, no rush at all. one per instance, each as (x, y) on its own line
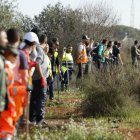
(120, 32)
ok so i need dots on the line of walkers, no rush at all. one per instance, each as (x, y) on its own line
(30, 67)
(103, 55)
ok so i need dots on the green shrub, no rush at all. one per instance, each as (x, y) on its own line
(110, 95)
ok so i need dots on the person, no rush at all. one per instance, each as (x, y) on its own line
(20, 73)
(108, 58)
(28, 45)
(89, 47)
(55, 63)
(134, 54)
(7, 122)
(82, 58)
(3, 88)
(38, 94)
(67, 67)
(50, 75)
(116, 53)
(101, 55)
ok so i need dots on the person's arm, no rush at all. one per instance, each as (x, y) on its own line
(39, 60)
(3, 88)
(23, 68)
(58, 63)
(138, 52)
(119, 55)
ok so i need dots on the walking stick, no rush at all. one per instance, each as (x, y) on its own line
(29, 89)
(27, 115)
(58, 85)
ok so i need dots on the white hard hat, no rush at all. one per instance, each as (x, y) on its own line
(31, 37)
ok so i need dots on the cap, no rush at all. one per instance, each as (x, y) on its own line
(12, 49)
(85, 37)
(31, 37)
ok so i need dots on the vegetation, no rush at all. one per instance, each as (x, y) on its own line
(111, 95)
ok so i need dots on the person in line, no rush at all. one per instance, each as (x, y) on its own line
(21, 93)
(67, 67)
(108, 58)
(116, 54)
(38, 94)
(3, 88)
(50, 75)
(134, 54)
(55, 63)
(89, 47)
(7, 117)
(101, 55)
(82, 58)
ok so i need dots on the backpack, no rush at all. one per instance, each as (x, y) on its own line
(94, 53)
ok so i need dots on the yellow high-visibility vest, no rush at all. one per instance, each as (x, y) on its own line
(67, 62)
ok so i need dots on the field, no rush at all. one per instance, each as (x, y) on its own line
(66, 122)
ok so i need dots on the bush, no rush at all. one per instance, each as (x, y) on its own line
(110, 95)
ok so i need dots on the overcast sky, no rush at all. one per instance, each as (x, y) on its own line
(33, 7)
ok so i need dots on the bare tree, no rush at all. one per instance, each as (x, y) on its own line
(100, 19)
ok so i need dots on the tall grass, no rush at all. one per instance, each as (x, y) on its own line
(116, 94)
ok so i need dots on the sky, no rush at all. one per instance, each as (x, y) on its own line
(122, 7)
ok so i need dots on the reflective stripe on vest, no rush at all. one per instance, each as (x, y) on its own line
(82, 58)
(49, 66)
(64, 69)
(55, 56)
(67, 60)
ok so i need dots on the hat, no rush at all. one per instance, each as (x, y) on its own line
(12, 50)
(31, 37)
(85, 37)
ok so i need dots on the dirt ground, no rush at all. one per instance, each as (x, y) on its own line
(133, 134)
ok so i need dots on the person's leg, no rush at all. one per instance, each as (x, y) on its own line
(41, 102)
(83, 70)
(69, 77)
(79, 75)
(70, 74)
(32, 110)
(86, 69)
(62, 82)
(51, 90)
(66, 79)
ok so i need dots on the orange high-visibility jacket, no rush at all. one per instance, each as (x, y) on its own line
(19, 94)
(7, 116)
(82, 57)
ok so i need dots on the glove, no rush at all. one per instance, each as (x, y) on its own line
(43, 82)
(32, 64)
